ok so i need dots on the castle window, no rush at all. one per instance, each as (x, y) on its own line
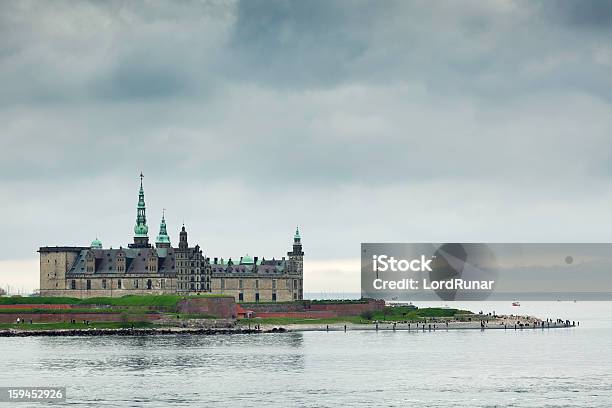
(118, 283)
(88, 284)
(295, 284)
(274, 296)
(222, 283)
(149, 284)
(136, 283)
(241, 297)
(103, 283)
(295, 296)
(73, 284)
(256, 283)
(273, 283)
(257, 297)
(240, 284)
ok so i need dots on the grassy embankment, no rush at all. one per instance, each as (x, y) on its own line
(132, 306)
(167, 301)
(389, 314)
(413, 314)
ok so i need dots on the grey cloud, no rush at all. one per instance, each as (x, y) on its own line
(594, 14)
(268, 114)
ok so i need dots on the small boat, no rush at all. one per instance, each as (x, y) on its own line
(517, 303)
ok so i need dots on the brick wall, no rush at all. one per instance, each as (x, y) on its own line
(219, 307)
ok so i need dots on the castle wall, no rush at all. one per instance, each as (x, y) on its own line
(54, 263)
(220, 307)
(286, 288)
(108, 286)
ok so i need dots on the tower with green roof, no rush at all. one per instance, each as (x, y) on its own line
(163, 240)
(141, 231)
(296, 256)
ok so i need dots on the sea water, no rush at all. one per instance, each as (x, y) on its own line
(569, 367)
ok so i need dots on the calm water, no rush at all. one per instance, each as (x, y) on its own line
(531, 368)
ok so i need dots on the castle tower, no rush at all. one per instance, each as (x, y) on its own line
(141, 238)
(183, 238)
(163, 240)
(296, 257)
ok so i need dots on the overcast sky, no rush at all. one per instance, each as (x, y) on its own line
(360, 121)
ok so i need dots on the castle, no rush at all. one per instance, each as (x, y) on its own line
(142, 268)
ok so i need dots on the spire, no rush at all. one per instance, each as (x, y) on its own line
(163, 240)
(141, 239)
(297, 245)
(296, 237)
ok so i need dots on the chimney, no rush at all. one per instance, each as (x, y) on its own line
(215, 261)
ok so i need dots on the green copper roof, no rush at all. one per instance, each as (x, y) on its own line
(297, 233)
(96, 244)
(141, 229)
(163, 237)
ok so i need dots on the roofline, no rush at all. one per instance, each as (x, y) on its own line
(61, 249)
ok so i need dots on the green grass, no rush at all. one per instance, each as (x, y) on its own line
(292, 320)
(37, 300)
(408, 313)
(164, 301)
(55, 326)
(401, 313)
(167, 302)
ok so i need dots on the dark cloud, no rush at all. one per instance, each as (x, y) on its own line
(297, 43)
(439, 116)
(593, 14)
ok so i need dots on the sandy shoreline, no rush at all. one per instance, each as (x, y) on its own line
(412, 327)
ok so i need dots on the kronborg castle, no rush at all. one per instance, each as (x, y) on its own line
(142, 268)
